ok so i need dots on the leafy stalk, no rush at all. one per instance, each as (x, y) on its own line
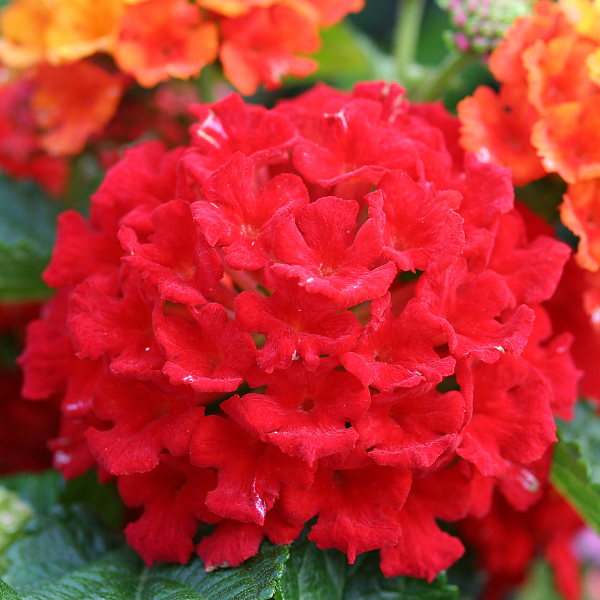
(440, 79)
(406, 37)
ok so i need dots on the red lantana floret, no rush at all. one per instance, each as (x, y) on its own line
(321, 310)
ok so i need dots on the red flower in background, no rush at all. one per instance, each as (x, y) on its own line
(20, 451)
(268, 340)
(506, 541)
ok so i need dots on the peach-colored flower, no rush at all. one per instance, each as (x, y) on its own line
(56, 31)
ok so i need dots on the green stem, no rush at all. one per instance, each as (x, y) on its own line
(406, 37)
(438, 81)
(206, 84)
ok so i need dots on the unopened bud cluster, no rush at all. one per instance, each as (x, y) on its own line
(480, 24)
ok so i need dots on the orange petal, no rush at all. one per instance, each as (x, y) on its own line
(567, 138)
(580, 212)
(498, 127)
(261, 47)
(164, 38)
(557, 71)
(545, 23)
(56, 30)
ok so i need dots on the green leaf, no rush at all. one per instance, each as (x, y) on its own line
(67, 552)
(121, 575)
(7, 593)
(64, 540)
(41, 491)
(254, 579)
(314, 574)
(27, 228)
(576, 463)
(366, 582)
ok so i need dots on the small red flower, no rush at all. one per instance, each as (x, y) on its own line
(304, 413)
(178, 260)
(398, 352)
(296, 324)
(512, 396)
(420, 228)
(327, 258)
(251, 472)
(209, 355)
(146, 420)
(169, 495)
(411, 428)
(243, 223)
(423, 549)
(356, 502)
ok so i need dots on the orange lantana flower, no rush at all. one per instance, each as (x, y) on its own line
(46, 42)
(498, 128)
(56, 31)
(262, 46)
(549, 65)
(159, 39)
(258, 40)
(580, 212)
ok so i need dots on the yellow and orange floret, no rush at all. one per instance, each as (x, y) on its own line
(63, 47)
(545, 118)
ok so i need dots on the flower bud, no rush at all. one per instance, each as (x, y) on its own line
(479, 25)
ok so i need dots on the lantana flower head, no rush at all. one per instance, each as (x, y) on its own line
(544, 119)
(322, 310)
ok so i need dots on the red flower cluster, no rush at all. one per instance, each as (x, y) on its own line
(507, 540)
(324, 309)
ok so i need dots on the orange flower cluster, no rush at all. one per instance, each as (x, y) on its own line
(546, 116)
(70, 61)
(152, 40)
